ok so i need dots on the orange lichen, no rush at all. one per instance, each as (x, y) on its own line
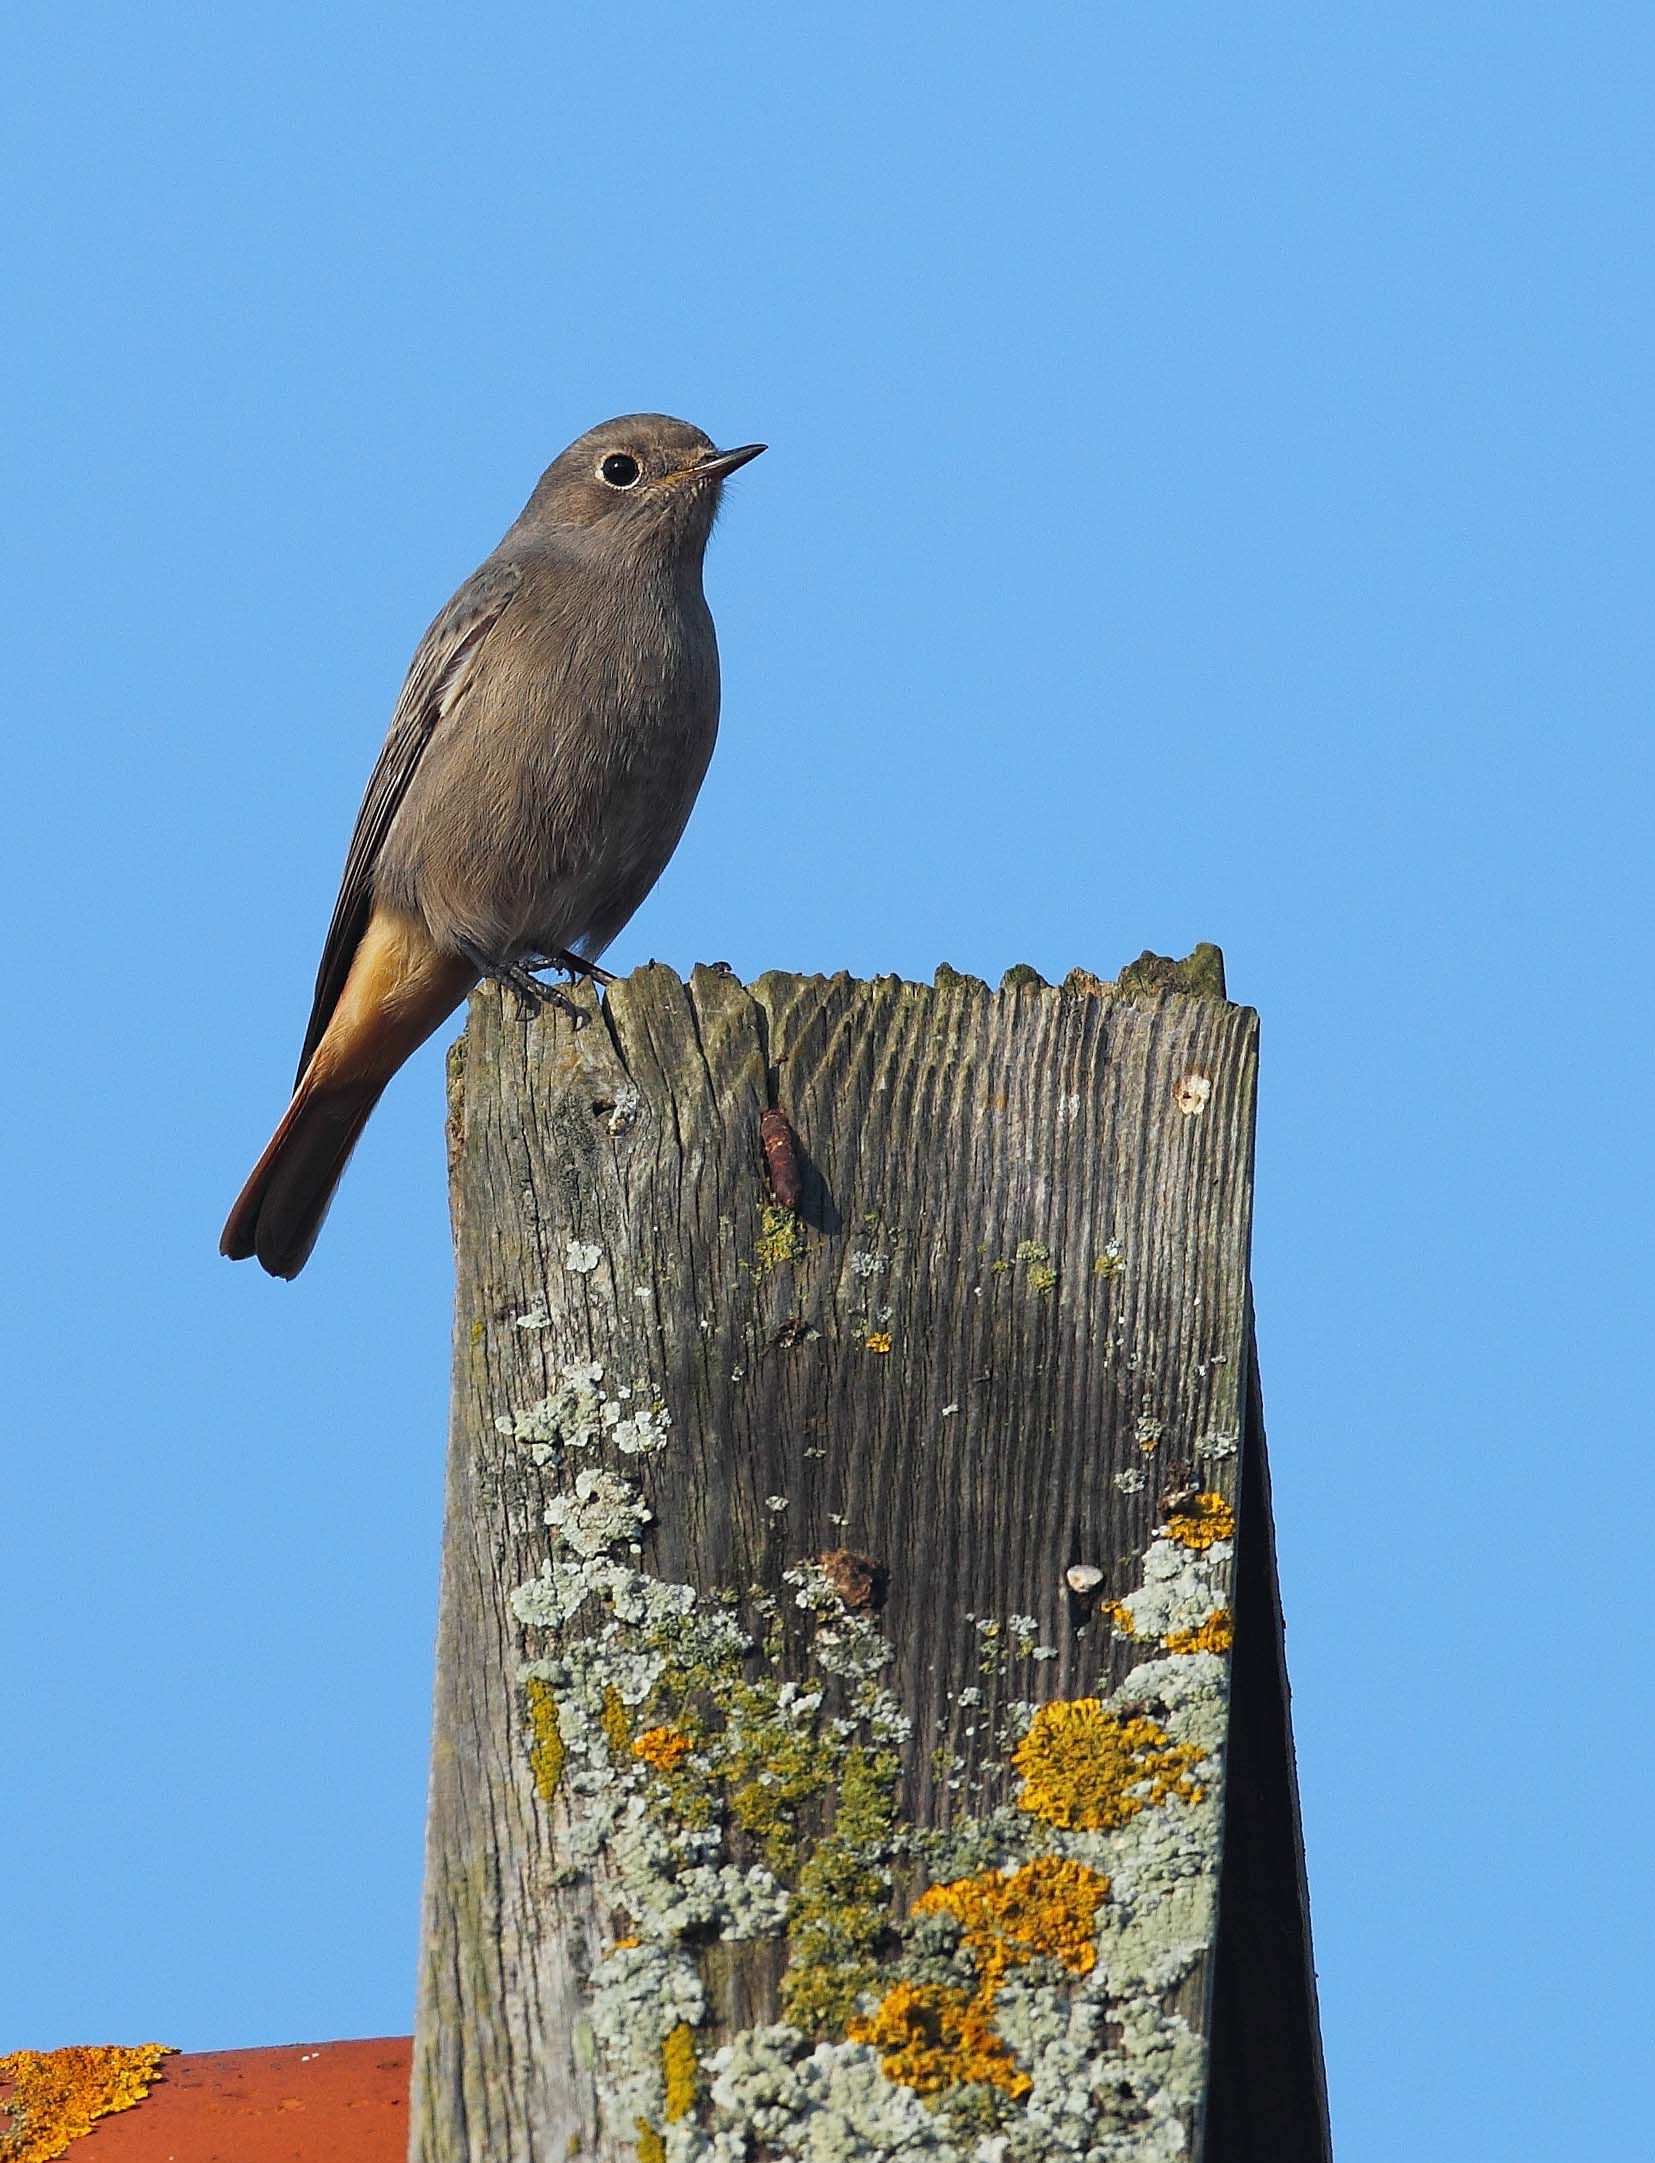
(1048, 1908)
(678, 2071)
(1216, 1634)
(57, 2095)
(1088, 1770)
(1119, 1614)
(1200, 1520)
(546, 1746)
(625, 1945)
(879, 1340)
(663, 1747)
(931, 2037)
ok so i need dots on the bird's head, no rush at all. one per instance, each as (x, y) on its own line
(645, 478)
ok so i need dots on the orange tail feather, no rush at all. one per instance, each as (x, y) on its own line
(279, 1212)
(399, 989)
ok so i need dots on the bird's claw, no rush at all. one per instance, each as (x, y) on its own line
(535, 995)
(530, 992)
(573, 965)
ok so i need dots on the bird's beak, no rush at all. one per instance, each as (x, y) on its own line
(717, 464)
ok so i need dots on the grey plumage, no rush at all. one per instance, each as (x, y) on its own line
(542, 760)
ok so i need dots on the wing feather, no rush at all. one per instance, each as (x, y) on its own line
(440, 668)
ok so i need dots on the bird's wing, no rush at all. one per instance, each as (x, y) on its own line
(440, 669)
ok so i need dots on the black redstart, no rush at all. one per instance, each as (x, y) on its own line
(541, 762)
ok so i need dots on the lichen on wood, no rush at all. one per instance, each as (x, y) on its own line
(912, 1858)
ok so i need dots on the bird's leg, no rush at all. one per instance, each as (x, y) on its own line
(572, 964)
(529, 989)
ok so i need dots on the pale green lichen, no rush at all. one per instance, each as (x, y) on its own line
(1018, 2010)
(578, 1414)
(1183, 1581)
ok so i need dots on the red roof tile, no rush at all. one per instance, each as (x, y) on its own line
(301, 2103)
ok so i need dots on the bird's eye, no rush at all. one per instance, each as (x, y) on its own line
(620, 469)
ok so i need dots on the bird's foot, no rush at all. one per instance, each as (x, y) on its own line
(518, 978)
(573, 965)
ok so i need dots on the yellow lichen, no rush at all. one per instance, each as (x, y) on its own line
(57, 2095)
(1087, 1770)
(617, 1729)
(678, 2072)
(1120, 1615)
(651, 2147)
(625, 1945)
(841, 1911)
(879, 1340)
(930, 2037)
(781, 1238)
(1216, 1634)
(772, 1767)
(663, 1747)
(546, 1747)
(1202, 1519)
(1047, 1908)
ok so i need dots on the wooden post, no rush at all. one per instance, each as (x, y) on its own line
(844, 1606)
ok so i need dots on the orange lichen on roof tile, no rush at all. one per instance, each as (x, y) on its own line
(931, 2036)
(1199, 1521)
(57, 2095)
(1087, 1770)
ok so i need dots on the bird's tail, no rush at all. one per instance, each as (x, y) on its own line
(401, 986)
(279, 1212)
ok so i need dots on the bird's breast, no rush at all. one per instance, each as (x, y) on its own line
(563, 778)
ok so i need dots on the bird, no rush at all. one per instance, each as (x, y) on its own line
(541, 763)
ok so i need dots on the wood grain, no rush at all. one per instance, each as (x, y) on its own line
(1039, 1197)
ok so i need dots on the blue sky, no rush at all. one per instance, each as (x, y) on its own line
(1209, 498)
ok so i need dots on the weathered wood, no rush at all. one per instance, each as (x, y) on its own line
(994, 1368)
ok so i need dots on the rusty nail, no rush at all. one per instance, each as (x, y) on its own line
(780, 1158)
